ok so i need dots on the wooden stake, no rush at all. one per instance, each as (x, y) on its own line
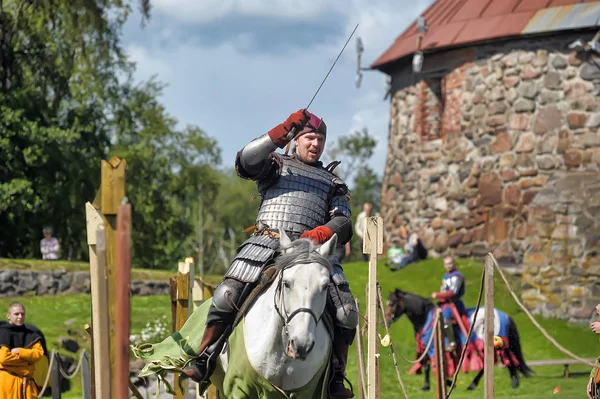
(489, 352)
(100, 334)
(181, 312)
(438, 341)
(112, 192)
(123, 300)
(373, 245)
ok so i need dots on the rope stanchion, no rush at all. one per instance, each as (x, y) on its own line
(534, 321)
(387, 331)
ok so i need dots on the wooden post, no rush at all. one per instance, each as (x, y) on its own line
(438, 341)
(181, 312)
(173, 295)
(101, 373)
(489, 352)
(92, 388)
(85, 376)
(112, 192)
(373, 245)
(123, 304)
(202, 292)
(55, 377)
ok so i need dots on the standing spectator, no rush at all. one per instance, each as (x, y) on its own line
(20, 348)
(361, 224)
(49, 245)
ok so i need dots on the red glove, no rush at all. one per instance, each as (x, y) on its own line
(319, 234)
(444, 296)
(279, 133)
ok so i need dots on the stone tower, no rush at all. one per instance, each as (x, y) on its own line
(494, 141)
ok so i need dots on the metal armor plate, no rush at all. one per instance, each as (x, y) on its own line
(252, 255)
(300, 200)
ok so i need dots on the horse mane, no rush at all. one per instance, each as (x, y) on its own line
(302, 251)
(415, 299)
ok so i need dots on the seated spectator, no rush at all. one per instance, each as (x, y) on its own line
(395, 253)
(414, 250)
(49, 245)
(21, 346)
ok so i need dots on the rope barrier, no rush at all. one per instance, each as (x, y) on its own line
(70, 377)
(387, 331)
(539, 327)
(464, 351)
(53, 356)
(435, 321)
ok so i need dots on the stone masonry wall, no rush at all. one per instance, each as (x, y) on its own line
(54, 282)
(471, 147)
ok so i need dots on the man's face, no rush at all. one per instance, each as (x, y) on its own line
(310, 146)
(448, 264)
(16, 315)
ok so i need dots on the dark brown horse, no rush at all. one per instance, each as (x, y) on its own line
(418, 309)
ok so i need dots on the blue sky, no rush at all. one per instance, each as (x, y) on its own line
(236, 68)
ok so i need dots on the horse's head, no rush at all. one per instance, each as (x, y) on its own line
(396, 306)
(301, 293)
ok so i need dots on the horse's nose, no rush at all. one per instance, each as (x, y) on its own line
(298, 350)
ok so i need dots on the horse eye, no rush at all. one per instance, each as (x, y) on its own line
(286, 284)
(324, 286)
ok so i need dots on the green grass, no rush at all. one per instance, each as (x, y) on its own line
(51, 313)
(424, 278)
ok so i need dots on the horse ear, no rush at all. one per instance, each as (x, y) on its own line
(328, 248)
(284, 240)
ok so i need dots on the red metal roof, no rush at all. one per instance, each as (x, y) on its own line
(455, 22)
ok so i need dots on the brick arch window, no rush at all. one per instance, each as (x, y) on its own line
(438, 111)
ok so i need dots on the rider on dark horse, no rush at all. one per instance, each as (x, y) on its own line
(452, 290)
(305, 199)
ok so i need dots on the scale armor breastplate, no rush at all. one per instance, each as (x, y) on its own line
(300, 200)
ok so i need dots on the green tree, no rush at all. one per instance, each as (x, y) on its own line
(67, 100)
(58, 66)
(354, 151)
(167, 170)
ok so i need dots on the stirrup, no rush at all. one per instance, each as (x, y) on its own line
(342, 377)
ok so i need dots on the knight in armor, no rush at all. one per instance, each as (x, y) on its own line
(452, 290)
(304, 198)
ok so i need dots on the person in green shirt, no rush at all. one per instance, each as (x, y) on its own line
(395, 253)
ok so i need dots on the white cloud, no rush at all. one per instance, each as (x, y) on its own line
(236, 95)
(201, 11)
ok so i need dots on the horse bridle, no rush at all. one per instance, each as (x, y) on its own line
(285, 316)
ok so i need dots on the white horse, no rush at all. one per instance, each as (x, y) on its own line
(281, 345)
